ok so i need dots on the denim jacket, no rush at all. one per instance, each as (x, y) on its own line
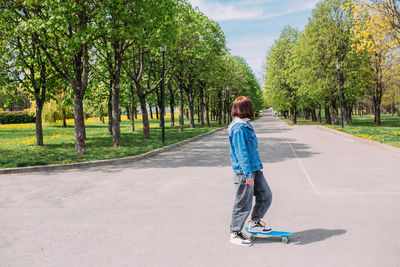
(243, 146)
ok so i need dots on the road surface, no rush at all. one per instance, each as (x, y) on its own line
(339, 196)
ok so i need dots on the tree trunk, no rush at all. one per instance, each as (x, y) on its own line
(157, 116)
(227, 114)
(151, 111)
(219, 108)
(328, 119)
(191, 109)
(128, 112)
(110, 112)
(224, 107)
(171, 104)
(158, 104)
(181, 119)
(201, 106)
(377, 112)
(346, 119)
(350, 113)
(319, 115)
(79, 124)
(344, 109)
(39, 129)
(146, 126)
(293, 115)
(116, 132)
(335, 118)
(313, 115)
(198, 110)
(64, 117)
(133, 109)
(208, 110)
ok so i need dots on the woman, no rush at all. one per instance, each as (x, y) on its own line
(248, 177)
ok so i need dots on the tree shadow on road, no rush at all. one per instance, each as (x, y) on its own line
(213, 151)
(305, 237)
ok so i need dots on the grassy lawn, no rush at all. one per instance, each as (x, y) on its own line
(364, 127)
(18, 142)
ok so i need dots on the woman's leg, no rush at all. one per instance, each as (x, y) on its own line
(263, 195)
(242, 204)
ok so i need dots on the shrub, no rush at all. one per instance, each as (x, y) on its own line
(9, 117)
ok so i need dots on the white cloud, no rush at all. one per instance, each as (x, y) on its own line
(223, 12)
(249, 9)
(298, 7)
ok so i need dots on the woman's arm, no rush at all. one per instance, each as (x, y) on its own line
(242, 153)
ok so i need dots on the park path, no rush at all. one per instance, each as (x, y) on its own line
(339, 196)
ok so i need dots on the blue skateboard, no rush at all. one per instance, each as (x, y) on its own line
(283, 235)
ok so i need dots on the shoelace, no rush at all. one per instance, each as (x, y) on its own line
(259, 223)
(242, 235)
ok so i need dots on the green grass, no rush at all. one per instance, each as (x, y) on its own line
(364, 127)
(18, 142)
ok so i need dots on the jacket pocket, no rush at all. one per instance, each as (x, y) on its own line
(251, 137)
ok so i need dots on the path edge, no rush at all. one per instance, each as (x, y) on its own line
(371, 142)
(97, 163)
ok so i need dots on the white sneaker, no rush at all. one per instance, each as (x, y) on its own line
(238, 238)
(259, 227)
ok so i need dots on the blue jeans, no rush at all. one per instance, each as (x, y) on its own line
(244, 199)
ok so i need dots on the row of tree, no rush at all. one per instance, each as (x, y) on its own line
(101, 56)
(363, 36)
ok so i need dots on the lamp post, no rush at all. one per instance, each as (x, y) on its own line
(340, 92)
(163, 49)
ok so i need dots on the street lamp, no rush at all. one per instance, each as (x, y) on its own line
(340, 92)
(162, 50)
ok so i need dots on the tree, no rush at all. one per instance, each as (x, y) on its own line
(372, 36)
(327, 40)
(144, 54)
(390, 9)
(282, 93)
(200, 42)
(25, 62)
(65, 32)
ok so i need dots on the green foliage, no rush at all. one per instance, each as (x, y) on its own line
(53, 111)
(300, 67)
(281, 88)
(11, 117)
(242, 81)
(66, 53)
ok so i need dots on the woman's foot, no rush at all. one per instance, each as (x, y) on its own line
(241, 239)
(259, 226)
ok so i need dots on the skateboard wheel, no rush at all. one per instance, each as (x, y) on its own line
(285, 239)
(252, 237)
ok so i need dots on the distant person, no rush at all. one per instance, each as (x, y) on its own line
(248, 177)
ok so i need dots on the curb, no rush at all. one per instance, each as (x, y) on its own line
(83, 165)
(371, 142)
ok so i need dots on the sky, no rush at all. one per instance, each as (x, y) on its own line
(252, 26)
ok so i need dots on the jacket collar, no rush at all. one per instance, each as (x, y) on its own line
(237, 120)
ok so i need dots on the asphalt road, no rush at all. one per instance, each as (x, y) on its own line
(339, 196)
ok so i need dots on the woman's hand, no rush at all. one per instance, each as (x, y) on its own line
(250, 182)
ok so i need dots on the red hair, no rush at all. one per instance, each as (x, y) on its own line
(242, 108)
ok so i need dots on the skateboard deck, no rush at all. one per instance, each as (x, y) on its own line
(283, 235)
